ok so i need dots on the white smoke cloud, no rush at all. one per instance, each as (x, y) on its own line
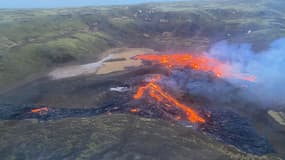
(268, 66)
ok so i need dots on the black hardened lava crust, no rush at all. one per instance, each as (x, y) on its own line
(225, 126)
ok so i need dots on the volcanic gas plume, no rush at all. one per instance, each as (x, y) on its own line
(267, 65)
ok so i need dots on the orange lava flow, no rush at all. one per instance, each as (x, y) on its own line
(159, 95)
(39, 110)
(196, 62)
(134, 110)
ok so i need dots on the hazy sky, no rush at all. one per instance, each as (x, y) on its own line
(68, 3)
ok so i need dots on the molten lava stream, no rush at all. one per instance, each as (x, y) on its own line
(196, 62)
(39, 110)
(159, 95)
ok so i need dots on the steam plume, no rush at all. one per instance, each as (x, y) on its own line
(268, 66)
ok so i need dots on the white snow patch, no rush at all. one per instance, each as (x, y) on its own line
(119, 89)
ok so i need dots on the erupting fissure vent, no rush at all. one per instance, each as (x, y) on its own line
(181, 60)
(196, 62)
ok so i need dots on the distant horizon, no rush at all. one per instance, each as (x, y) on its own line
(29, 4)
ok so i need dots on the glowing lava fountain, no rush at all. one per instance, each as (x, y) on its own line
(196, 62)
(155, 91)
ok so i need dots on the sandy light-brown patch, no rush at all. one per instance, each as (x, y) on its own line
(112, 60)
(122, 59)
